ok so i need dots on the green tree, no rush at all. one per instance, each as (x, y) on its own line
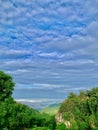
(61, 126)
(81, 110)
(41, 128)
(6, 86)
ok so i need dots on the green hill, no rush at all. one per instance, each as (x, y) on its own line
(51, 110)
(80, 112)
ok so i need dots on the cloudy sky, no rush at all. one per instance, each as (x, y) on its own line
(50, 44)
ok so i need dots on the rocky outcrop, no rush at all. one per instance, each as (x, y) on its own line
(59, 119)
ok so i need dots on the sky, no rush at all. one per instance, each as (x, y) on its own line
(50, 44)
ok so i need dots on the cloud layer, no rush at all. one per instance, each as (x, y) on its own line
(50, 44)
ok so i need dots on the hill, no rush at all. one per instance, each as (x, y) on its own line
(51, 110)
(80, 112)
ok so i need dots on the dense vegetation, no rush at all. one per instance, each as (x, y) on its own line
(77, 112)
(81, 110)
(16, 116)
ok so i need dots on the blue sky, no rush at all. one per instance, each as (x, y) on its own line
(50, 44)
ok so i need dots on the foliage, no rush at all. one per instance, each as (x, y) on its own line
(16, 116)
(61, 126)
(6, 86)
(81, 110)
(41, 128)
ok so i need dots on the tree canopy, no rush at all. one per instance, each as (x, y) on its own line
(6, 86)
(17, 116)
(81, 110)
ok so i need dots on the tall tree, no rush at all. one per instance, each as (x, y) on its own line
(6, 86)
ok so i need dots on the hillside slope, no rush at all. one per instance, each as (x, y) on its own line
(80, 112)
(51, 110)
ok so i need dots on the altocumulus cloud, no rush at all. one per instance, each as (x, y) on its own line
(50, 44)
